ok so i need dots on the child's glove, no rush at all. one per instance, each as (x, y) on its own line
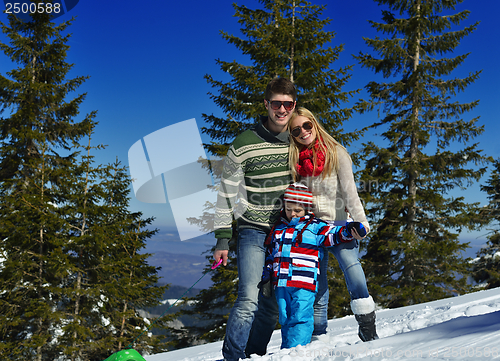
(266, 273)
(265, 283)
(358, 226)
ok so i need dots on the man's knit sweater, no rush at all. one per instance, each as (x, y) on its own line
(255, 176)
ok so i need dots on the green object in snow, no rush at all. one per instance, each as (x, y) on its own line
(126, 355)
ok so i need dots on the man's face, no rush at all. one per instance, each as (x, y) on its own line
(279, 117)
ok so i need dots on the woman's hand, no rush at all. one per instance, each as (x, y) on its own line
(356, 235)
(356, 229)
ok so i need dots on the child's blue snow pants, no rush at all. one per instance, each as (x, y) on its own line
(296, 315)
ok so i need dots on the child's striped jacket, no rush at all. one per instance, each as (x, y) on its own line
(295, 248)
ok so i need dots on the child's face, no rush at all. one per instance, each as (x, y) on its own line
(293, 210)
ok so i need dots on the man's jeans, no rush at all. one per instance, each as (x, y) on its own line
(347, 255)
(251, 256)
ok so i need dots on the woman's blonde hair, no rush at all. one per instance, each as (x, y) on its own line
(326, 143)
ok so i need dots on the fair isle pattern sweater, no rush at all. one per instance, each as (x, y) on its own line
(295, 248)
(255, 176)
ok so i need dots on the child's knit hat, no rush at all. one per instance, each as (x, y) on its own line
(299, 193)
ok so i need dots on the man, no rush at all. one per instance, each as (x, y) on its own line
(256, 164)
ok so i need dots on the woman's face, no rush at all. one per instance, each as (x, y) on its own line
(306, 136)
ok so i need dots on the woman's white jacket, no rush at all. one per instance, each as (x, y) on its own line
(337, 194)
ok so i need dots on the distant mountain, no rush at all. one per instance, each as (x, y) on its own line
(171, 304)
(172, 301)
(181, 269)
(182, 272)
(174, 292)
(167, 240)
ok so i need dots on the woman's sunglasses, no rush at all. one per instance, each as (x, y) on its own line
(276, 104)
(297, 130)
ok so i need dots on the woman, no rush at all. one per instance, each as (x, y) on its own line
(324, 165)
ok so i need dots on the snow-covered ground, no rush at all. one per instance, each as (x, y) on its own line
(459, 328)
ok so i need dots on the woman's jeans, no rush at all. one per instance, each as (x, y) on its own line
(347, 257)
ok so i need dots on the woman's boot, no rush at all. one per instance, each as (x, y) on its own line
(364, 311)
(367, 330)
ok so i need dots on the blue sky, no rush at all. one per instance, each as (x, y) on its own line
(146, 62)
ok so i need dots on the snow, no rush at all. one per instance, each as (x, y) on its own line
(459, 328)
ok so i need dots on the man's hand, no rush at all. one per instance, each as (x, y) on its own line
(221, 254)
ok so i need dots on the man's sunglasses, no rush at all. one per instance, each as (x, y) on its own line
(297, 130)
(276, 104)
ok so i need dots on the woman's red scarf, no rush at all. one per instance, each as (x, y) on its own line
(305, 166)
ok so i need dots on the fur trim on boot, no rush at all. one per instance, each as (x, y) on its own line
(364, 311)
(362, 306)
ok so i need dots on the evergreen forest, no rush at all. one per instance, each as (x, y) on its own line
(75, 279)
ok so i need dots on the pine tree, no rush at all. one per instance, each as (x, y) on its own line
(38, 126)
(486, 269)
(33, 270)
(125, 281)
(413, 253)
(283, 38)
(109, 280)
(72, 275)
(35, 93)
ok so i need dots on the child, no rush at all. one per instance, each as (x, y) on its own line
(294, 248)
